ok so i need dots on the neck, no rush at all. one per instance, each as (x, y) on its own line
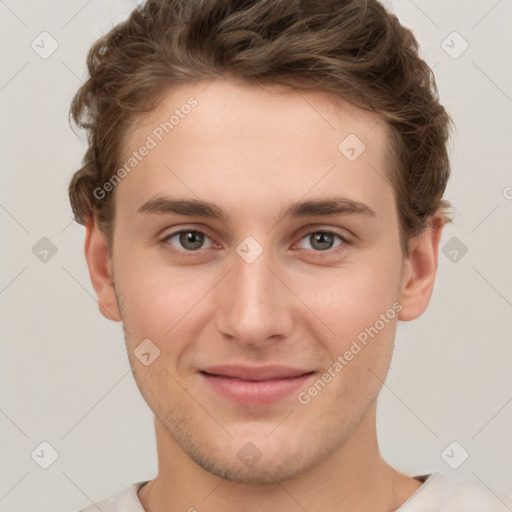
(354, 477)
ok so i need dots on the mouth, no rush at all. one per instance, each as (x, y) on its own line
(256, 386)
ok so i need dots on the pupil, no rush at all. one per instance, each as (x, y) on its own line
(322, 241)
(191, 240)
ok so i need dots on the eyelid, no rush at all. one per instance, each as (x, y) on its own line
(342, 246)
(165, 239)
(344, 234)
(345, 240)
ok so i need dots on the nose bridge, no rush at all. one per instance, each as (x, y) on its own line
(254, 305)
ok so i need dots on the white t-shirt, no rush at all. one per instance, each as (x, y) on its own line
(437, 494)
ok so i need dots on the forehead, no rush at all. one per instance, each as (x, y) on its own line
(236, 106)
(237, 141)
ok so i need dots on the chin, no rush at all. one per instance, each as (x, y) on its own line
(258, 458)
(261, 472)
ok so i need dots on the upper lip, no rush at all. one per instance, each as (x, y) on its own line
(255, 373)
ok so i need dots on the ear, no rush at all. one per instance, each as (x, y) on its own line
(420, 269)
(100, 270)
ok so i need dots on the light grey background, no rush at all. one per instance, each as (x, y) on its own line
(64, 372)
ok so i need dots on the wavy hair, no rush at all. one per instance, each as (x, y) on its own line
(352, 48)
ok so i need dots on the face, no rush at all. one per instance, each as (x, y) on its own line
(295, 261)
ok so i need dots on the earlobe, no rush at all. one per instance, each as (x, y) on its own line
(420, 270)
(100, 271)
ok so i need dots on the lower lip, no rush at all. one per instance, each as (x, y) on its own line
(265, 392)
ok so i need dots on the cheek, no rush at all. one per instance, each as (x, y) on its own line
(351, 298)
(159, 301)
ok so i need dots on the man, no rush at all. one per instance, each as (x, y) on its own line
(262, 196)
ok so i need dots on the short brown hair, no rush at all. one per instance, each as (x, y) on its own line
(352, 48)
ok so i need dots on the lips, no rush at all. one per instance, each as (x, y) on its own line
(254, 386)
(255, 373)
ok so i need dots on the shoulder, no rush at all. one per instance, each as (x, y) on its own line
(104, 505)
(443, 494)
(125, 500)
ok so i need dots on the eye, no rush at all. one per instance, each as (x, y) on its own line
(193, 240)
(188, 239)
(323, 240)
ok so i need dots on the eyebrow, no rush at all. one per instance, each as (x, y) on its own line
(297, 209)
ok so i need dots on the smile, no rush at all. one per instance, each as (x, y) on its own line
(254, 392)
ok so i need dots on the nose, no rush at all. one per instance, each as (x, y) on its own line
(254, 304)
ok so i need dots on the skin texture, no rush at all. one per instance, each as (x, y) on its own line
(251, 151)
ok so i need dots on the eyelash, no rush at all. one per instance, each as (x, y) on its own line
(315, 253)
